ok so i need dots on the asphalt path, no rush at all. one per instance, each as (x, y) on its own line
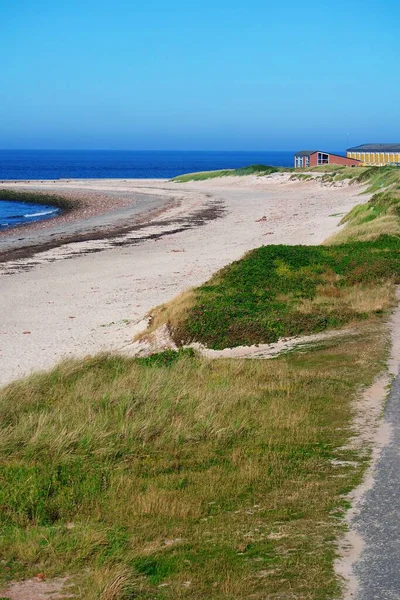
(378, 523)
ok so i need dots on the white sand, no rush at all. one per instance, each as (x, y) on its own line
(60, 308)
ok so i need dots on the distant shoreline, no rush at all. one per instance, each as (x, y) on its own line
(84, 215)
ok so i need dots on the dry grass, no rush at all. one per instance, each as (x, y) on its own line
(171, 313)
(115, 584)
(377, 217)
(359, 299)
(366, 232)
(201, 479)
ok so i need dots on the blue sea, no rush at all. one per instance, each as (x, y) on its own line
(93, 164)
(14, 213)
(77, 164)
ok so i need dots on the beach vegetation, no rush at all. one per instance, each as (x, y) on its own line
(378, 217)
(283, 291)
(181, 477)
(250, 170)
(302, 177)
(378, 178)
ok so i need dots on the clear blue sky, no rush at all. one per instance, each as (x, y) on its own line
(212, 74)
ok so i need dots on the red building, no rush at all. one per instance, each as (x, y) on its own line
(315, 158)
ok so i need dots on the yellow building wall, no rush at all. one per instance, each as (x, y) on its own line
(375, 158)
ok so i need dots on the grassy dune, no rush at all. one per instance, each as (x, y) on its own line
(280, 291)
(251, 170)
(380, 215)
(177, 477)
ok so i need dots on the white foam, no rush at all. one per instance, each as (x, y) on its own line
(40, 214)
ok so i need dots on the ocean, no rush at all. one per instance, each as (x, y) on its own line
(78, 164)
(94, 164)
(13, 213)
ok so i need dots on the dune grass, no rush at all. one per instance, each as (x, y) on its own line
(378, 178)
(178, 477)
(263, 296)
(375, 178)
(250, 170)
(379, 216)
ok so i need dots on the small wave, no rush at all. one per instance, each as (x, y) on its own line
(40, 214)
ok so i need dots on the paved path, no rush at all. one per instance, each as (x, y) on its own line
(378, 568)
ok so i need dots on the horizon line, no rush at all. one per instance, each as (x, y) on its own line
(129, 150)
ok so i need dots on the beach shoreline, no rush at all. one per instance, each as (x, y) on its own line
(79, 219)
(64, 298)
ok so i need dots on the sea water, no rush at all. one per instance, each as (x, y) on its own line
(71, 164)
(16, 213)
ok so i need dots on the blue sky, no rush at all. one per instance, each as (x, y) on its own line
(209, 75)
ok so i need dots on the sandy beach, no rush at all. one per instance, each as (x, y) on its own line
(82, 283)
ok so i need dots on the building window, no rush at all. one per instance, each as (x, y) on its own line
(323, 159)
(307, 161)
(298, 162)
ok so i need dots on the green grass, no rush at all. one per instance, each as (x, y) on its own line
(378, 178)
(279, 291)
(179, 477)
(37, 198)
(250, 170)
(380, 215)
(301, 177)
(381, 204)
(375, 178)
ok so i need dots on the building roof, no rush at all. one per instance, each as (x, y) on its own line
(309, 152)
(375, 148)
(306, 152)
